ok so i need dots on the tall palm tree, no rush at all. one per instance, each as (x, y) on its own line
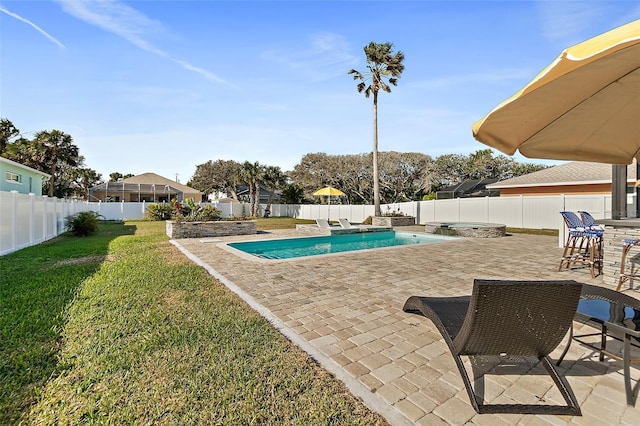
(54, 148)
(382, 65)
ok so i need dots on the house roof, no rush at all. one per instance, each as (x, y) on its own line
(16, 164)
(152, 178)
(574, 173)
(469, 185)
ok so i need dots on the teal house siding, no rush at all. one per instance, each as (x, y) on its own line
(17, 177)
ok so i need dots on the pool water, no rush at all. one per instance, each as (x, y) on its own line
(312, 246)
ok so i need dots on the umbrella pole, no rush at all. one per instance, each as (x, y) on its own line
(619, 191)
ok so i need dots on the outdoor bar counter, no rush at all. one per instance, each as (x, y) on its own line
(617, 230)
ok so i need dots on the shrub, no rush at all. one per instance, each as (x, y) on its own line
(83, 224)
(392, 213)
(158, 211)
(188, 211)
(206, 213)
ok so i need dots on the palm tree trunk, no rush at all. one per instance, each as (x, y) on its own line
(376, 179)
(52, 180)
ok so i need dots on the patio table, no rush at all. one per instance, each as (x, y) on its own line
(616, 315)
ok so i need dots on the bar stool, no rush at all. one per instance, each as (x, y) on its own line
(628, 245)
(583, 245)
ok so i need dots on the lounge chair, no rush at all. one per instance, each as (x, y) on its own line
(346, 224)
(513, 320)
(323, 224)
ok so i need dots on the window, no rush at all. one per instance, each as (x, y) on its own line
(13, 177)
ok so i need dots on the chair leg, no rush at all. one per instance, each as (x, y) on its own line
(566, 348)
(572, 408)
(623, 277)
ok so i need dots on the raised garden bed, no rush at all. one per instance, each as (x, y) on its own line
(393, 221)
(221, 228)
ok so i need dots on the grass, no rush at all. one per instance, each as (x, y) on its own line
(120, 328)
(549, 232)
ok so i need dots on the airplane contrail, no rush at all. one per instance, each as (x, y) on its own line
(37, 28)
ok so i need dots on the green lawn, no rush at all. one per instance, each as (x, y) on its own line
(120, 328)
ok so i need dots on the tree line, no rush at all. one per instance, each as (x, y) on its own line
(402, 176)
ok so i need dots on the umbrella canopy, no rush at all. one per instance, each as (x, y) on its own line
(584, 106)
(329, 191)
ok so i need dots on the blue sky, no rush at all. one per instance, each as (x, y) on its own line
(161, 86)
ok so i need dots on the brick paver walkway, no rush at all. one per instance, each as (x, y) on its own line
(345, 310)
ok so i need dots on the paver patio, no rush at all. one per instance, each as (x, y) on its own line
(345, 310)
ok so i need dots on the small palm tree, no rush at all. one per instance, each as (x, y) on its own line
(55, 148)
(273, 178)
(251, 174)
(382, 64)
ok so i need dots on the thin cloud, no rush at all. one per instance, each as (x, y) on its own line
(473, 78)
(126, 22)
(34, 26)
(564, 22)
(327, 56)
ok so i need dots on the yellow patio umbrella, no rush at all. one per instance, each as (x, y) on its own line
(329, 192)
(584, 106)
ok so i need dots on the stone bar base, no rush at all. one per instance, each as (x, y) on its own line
(615, 232)
(222, 228)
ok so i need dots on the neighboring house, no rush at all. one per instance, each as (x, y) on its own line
(17, 177)
(578, 177)
(467, 189)
(243, 195)
(148, 187)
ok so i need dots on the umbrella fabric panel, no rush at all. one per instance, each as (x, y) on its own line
(576, 109)
(328, 190)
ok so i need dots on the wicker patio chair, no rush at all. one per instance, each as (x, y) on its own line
(590, 222)
(583, 245)
(516, 321)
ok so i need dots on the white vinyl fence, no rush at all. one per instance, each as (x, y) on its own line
(27, 220)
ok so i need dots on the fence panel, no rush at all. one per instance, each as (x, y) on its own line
(6, 222)
(474, 210)
(506, 210)
(542, 212)
(23, 220)
(447, 210)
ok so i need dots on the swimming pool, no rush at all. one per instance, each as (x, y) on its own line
(289, 248)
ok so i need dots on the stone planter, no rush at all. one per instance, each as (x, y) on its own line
(222, 228)
(393, 221)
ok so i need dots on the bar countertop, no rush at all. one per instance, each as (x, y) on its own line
(620, 223)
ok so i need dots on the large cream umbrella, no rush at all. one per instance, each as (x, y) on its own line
(584, 106)
(329, 192)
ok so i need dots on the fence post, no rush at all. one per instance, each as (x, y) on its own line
(44, 218)
(561, 228)
(32, 217)
(486, 214)
(55, 217)
(14, 224)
